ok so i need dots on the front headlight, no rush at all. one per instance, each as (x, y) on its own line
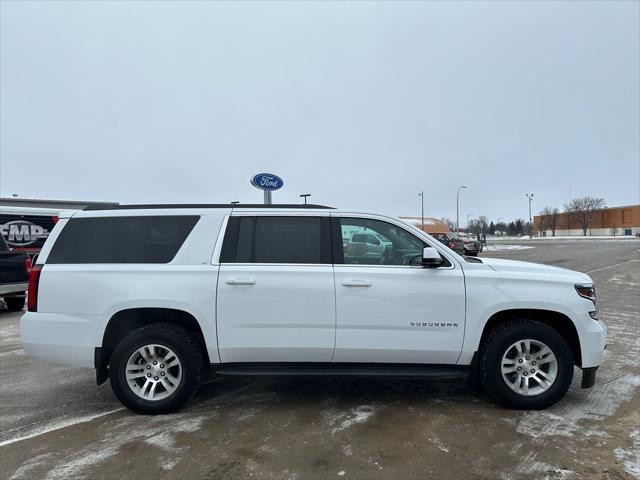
(587, 291)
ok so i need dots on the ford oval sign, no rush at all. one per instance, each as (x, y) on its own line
(267, 181)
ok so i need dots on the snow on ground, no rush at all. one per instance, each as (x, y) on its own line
(499, 247)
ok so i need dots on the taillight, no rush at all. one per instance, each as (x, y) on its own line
(452, 244)
(27, 264)
(32, 292)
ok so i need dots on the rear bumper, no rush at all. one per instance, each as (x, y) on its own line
(13, 288)
(58, 338)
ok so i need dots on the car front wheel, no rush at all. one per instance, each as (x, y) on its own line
(526, 364)
(156, 369)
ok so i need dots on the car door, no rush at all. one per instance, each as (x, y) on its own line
(389, 308)
(276, 294)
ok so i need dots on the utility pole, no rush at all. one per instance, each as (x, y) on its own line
(458, 208)
(421, 194)
(530, 197)
(305, 195)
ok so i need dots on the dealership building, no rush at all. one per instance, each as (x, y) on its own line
(617, 221)
(25, 223)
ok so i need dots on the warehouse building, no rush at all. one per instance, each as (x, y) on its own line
(615, 221)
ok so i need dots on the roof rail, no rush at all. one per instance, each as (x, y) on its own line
(204, 205)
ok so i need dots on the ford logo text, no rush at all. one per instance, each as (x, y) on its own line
(267, 181)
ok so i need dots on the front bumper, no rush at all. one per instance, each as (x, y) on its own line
(593, 339)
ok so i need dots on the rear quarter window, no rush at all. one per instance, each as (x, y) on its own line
(143, 239)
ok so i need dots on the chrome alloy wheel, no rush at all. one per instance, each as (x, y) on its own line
(529, 367)
(153, 372)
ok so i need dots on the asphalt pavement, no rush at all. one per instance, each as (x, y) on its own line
(57, 424)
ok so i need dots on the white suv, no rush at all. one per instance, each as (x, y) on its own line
(155, 298)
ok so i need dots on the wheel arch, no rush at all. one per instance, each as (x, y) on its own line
(556, 320)
(125, 321)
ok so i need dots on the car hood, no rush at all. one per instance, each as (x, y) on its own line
(516, 266)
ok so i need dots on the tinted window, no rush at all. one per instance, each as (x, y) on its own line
(154, 239)
(400, 247)
(276, 240)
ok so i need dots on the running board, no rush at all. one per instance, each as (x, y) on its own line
(342, 369)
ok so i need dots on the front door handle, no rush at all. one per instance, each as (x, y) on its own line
(240, 281)
(356, 283)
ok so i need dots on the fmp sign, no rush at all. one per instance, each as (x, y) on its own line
(267, 182)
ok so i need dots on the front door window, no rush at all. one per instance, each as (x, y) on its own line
(373, 242)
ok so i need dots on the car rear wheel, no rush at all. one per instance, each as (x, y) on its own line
(14, 304)
(156, 368)
(526, 364)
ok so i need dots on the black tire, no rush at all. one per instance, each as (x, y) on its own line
(167, 335)
(498, 341)
(14, 304)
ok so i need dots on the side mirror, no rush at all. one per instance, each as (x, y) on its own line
(431, 258)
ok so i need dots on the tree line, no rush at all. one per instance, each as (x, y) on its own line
(582, 210)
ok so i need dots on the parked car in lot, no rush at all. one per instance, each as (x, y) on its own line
(472, 247)
(370, 243)
(460, 245)
(14, 273)
(451, 240)
(156, 297)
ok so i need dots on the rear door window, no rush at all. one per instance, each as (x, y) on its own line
(277, 239)
(131, 239)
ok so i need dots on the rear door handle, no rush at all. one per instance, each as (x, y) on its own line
(356, 283)
(240, 281)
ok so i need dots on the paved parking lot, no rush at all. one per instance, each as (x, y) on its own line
(57, 424)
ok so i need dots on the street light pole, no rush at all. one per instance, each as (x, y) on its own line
(530, 197)
(458, 208)
(421, 194)
(305, 195)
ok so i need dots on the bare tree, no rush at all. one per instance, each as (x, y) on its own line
(549, 219)
(483, 224)
(583, 209)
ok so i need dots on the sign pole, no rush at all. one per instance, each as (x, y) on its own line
(267, 197)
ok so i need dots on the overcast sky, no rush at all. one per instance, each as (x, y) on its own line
(363, 105)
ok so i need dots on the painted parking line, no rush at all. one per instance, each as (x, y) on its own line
(53, 426)
(19, 351)
(613, 266)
